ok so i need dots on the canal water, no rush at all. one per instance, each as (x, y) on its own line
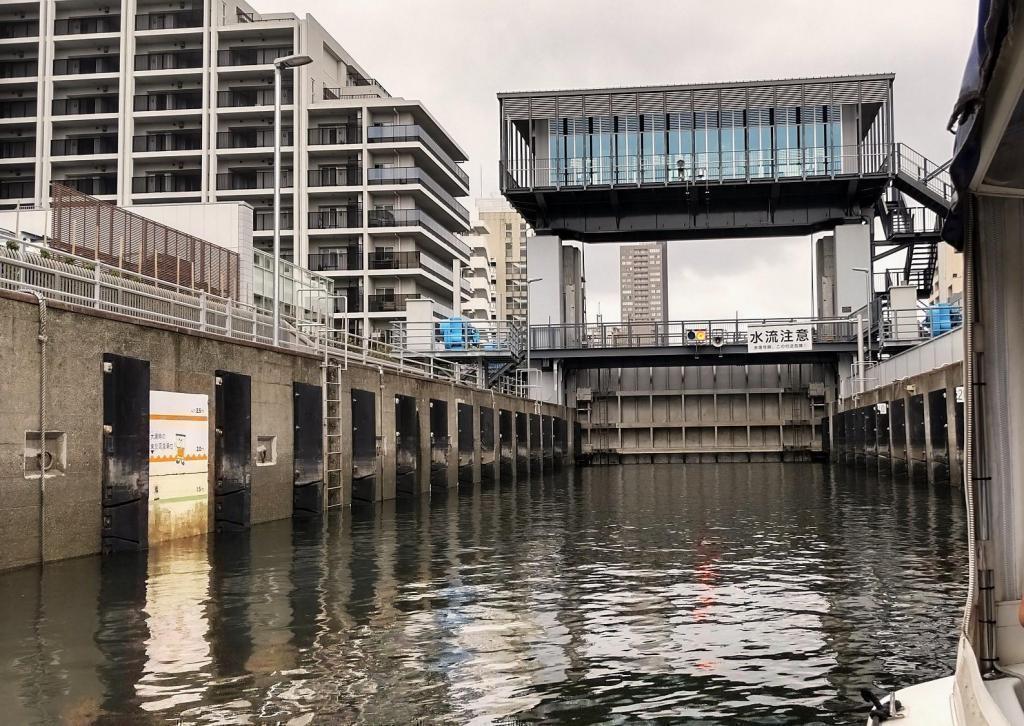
(707, 594)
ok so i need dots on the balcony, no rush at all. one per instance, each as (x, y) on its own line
(263, 220)
(86, 105)
(170, 60)
(10, 29)
(253, 138)
(379, 218)
(167, 183)
(170, 20)
(389, 260)
(353, 300)
(87, 24)
(87, 65)
(168, 141)
(18, 108)
(341, 260)
(17, 148)
(371, 89)
(19, 69)
(415, 175)
(336, 176)
(251, 56)
(334, 135)
(336, 219)
(259, 96)
(98, 184)
(386, 303)
(252, 179)
(19, 189)
(84, 146)
(168, 101)
(404, 133)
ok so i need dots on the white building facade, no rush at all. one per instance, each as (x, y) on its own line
(145, 102)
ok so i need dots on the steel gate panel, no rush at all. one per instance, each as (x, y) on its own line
(898, 432)
(939, 432)
(487, 452)
(506, 449)
(464, 419)
(364, 445)
(439, 443)
(308, 445)
(917, 448)
(232, 465)
(560, 432)
(882, 431)
(407, 445)
(536, 445)
(547, 439)
(522, 443)
(125, 500)
(826, 441)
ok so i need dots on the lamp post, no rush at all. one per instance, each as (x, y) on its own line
(291, 61)
(529, 282)
(870, 291)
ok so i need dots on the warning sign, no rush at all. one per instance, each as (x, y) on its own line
(779, 337)
(179, 437)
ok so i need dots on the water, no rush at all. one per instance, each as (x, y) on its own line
(704, 594)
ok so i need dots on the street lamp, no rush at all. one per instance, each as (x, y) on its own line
(870, 291)
(291, 61)
(529, 282)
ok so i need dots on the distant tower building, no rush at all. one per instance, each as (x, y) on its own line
(643, 272)
(506, 243)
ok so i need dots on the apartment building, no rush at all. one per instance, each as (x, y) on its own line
(643, 275)
(507, 235)
(157, 102)
(482, 276)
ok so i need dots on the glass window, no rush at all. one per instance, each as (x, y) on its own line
(759, 142)
(705, 144)
(600, 141)
(680, 146)
(787, 142)
(626, 139)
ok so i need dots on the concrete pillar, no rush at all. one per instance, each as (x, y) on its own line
(852, 249)
(423, 463)
(955, 455)
(387, 424)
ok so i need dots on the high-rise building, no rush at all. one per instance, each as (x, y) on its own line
(141, 103)
(643, 274)
(506, 240)
(482, 277)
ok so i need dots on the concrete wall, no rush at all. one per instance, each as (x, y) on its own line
(852, 249)
(70, 524)
(912, 426)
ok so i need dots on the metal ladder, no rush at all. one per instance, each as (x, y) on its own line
(334, 479)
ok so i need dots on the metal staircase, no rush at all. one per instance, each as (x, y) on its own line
(915, 230)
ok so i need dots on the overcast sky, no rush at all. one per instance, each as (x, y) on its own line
(455, 55)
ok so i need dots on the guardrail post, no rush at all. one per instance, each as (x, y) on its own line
(202, 309)
(97, 284)
(229, 326)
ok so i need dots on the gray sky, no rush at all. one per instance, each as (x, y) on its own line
(455, 55)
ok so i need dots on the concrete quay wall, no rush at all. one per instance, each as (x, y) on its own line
(67, 516)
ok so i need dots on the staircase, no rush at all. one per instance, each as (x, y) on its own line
(915, 229)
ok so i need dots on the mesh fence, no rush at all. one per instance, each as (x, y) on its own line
(89, 227)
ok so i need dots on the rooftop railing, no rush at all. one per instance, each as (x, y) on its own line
(411, 132)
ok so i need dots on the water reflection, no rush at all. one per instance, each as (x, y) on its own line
(767, 593)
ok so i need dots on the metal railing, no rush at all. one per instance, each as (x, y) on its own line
(18, 108)
(339, 260)
(99, 184)
(914, 325)
(85, 106)
(385, 303)
(251, 56)
(335, 219)
(241, 97)
(169, 20)
(934, 176)
(340, 92)
(167, 183)
(252, 179)
(253, 138)
(416, 218)
(19, 29)
(458, 337)
(397, 133)
(415, 175)
(17, 149)
(388, 260)
(169, 60)
(87, 284)
(168, 141)
(84, 145)
(17, 189)
(912, 220)
(327, 135)
(19, 69)
(683, 333)
(167, 101)
(263, 220)
(87, 65)
(347, 175)
(698, 167)
(87, 24)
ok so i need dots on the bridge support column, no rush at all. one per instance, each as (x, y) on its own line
(841, 288)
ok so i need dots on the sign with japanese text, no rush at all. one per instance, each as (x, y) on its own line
(179, 439)
(779, 337)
